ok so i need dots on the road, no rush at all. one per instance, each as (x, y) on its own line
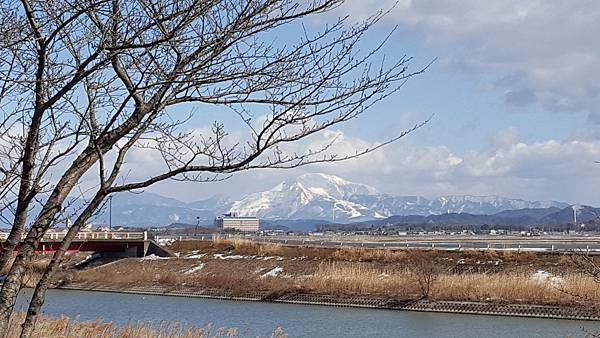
(508, 244)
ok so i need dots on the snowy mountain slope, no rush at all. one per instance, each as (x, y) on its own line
(308, 197)
(316, 196)
(328, 197)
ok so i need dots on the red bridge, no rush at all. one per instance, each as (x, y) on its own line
(117, 243)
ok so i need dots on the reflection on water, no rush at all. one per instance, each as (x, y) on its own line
(257, 318)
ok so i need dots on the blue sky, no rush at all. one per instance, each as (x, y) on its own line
(514, 97)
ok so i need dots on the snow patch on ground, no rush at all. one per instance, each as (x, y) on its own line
(546, 277)
(196, 256)
(275, 272)
(89, 258)
(165, 241)
(268, 258)
(221, 256)
(152, 257)
(194, 269)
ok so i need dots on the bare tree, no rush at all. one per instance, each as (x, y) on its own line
(37, 299)
(110, 76)
(38, 94)
(424, 271)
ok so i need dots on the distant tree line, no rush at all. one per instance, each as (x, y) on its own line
(591, 226)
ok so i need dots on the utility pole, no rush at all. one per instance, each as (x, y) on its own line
(110, 213)
(197, 225)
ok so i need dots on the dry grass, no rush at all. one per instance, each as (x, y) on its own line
(370, 255)
(514, 288)
(234, 276)
(361, 279)
(131, 272)
(64, 327)
(38, 265)
(242, 246)
(468, 275)
(241, 276)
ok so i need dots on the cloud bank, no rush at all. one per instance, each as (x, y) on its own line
(536, 54)
(540, 170)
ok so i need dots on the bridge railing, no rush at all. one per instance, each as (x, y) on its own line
(92, 235)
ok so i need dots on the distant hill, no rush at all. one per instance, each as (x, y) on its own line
(295, 224)
(585, 213)
(528, 217)
(149, 209)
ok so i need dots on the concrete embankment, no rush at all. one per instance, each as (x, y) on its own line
(480, 308)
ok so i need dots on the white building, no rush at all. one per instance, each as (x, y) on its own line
(239, 223)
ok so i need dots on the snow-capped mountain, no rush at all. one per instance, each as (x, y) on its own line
(310, 196)
(314, 197)
(328, 197)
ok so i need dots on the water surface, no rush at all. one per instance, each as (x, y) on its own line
(258, 318)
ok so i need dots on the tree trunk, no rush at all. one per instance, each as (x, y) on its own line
(39, 294)
(12, 286)
(37, 300)
(12, 283)
(8, 247)
(45, 219)
(13, 239)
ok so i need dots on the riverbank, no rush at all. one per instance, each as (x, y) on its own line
(418, 280)
(481, 308)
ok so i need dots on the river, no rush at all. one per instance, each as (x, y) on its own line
(259, 318)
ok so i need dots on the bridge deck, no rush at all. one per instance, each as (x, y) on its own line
(91, 235)
(115, 242)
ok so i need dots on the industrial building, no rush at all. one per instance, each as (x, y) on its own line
(237, 223)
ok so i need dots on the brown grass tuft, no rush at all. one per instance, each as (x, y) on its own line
(359, 278)
(64, 327)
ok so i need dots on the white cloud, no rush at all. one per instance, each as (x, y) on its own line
(535, 53)
(539, 170)
(507, 166)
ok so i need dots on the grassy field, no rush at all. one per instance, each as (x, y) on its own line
(239, 266)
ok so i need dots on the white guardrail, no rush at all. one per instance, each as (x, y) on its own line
(92, 235)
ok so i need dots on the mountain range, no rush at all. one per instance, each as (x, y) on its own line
(309, 199)
(328, 197)
(552, 218)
